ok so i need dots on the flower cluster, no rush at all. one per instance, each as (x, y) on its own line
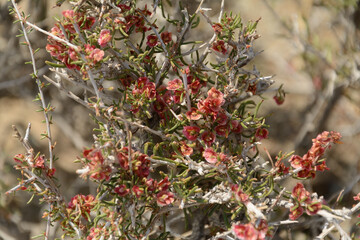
(96, 166)
(132, 20)
(301, 199)
(61, 52)
(239, 194)
(213, 157)
(104, 38)
(249, 231)
(143, 93)
(179, 129)
(311, 161)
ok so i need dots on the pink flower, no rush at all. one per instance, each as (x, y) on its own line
(239, 194)
(68, 14)
(214, 93)
(245, 232)
(191, 132)
(94, 54)
(357, 197)
(174, 84)
(97, 55)
(195, 86)
(164, 198)
(185, 149)
(210, 155)
(39, 162)
(262, 228)
(73, 54)
(193, 114)
(152, 41)
(300, 193)
(104, 38)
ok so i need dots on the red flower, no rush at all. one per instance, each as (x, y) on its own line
(164, 198)
(98, 169)
(217, 28)
(321, 167)
(19, 158)
(281, 168)
(210, 156)
(235, 126)
(279, 100)
(296, 212)
(208, 137)
(82, 203)
(141, 165)
(222, 130)
(152, 40)
(313, 208)
(51, 172)
(174, 84)
(195, 86)
(296, 161)
(300, 193)
(121, 190)
(104, 38)
(261, 133)
(219, 46)
(137, 191)
(123, 158)
(151, 184)
(166, 37)
(191, 132)
(221, 118)
(164, 184)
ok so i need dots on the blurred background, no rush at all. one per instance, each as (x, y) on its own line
(311, 46)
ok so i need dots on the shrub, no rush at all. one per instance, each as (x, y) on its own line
(177, 138)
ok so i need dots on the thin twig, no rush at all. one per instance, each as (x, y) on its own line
(207, 49)
(38, 82)
(187, 94)
(88, 70)
(76, 48)
(145, 128)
